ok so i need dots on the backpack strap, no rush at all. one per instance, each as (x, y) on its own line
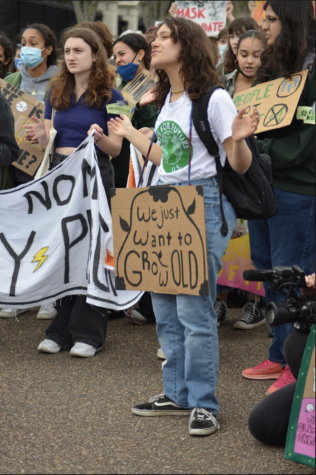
(202, 126)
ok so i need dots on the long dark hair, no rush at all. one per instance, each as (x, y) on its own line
(255, 34)
(238, 26)
(8, 54)
(49, 39)
(295, 41)
(198, 70)
(136, 42)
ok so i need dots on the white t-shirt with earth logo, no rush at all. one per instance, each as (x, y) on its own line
(173, 128)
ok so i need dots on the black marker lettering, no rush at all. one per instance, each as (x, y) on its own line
(67, 243)
(46, 201)
(17, 258)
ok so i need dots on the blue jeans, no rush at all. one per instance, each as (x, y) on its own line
(287, 239)
(187, 325)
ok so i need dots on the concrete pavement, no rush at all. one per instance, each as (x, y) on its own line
(60, 414)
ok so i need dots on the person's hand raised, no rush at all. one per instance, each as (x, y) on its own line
(121, 126)
(148, 98)
(243, 127)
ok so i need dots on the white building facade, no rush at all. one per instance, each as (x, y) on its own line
(120, 15)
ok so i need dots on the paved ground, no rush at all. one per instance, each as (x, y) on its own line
(60, 414)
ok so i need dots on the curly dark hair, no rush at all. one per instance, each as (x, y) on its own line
(104, 33)
(8, 54)
(50, 40)
(198, 68)
(100, 81)
(238, 26)
(295, 41)
(136, 42)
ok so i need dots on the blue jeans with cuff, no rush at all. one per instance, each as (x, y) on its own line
(287, 239)
(187, 325)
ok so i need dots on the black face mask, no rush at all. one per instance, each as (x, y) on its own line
(240, 71)
(1, 65)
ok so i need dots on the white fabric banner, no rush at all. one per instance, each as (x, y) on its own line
(56, 238)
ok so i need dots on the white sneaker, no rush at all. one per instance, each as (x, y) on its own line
(47, 311)
(12, 312)
(83, 350)
(48, 346)
(160, 354)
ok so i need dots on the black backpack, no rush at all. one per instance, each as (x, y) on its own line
(251, 194)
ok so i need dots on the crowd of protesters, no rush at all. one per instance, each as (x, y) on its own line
(77, 85)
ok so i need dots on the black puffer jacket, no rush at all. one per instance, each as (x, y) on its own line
(9, 150)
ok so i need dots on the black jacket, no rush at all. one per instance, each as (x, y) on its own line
(9, 150)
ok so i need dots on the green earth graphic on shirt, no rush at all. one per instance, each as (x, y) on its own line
(175, 146)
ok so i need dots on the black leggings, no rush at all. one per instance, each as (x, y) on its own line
(269, 420)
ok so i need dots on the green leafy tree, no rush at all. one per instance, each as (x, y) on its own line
(153, 11)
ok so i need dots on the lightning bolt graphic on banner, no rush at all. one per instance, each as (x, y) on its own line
(40, 257)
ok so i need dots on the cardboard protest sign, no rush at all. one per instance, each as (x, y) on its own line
(24, 107)
(56, 238)
(300, 442)
(236, 260)
(134, 90)
(211, 16)
(276, 101)
(258, 13)
(160, 239)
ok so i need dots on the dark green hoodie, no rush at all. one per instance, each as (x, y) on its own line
(292, 148)
(144, 117)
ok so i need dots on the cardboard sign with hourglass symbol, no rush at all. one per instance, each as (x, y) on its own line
(276, 101)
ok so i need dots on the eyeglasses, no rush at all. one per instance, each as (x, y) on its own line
(269, 20)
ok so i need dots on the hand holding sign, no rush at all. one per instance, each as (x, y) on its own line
(35, 133)
(243, 127)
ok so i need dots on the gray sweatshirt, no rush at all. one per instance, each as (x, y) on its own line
(9, 150)
(40, 85)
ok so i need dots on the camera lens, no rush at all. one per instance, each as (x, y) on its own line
(270, 313)
(278, 314)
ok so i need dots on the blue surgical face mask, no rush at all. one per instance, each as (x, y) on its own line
(18, 63)
(31, 57)
(128, 71)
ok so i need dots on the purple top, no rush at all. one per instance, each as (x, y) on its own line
(72, 124)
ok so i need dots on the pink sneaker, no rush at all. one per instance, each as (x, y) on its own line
(265, 370)
(285, 378)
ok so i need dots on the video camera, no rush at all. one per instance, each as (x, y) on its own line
(297, 309)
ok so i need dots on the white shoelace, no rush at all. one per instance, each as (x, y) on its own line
(203, 414)
(250, 309)
(219, 304)
(156, 398)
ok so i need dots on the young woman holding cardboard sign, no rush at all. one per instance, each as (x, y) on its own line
(186, 325)
(289, 237)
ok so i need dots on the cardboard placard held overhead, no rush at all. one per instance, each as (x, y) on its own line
(24, 107)
(160, 240)
(134, 90)
(276, 101)
(211, 16)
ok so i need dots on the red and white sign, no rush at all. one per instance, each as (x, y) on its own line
(211, 16)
